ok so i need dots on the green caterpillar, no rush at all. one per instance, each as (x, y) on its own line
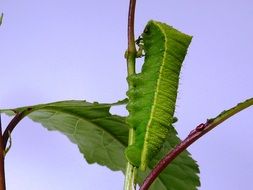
(152, 99)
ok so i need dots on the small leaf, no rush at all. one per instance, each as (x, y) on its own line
(102, 138)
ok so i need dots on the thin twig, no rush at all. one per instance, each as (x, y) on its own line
(2, 172)
(131, 49)
(16, 119)
(194, 135)
(130, 28)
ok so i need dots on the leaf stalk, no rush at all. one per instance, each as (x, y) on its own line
(16, 119)
(194, 135)
(2, 172)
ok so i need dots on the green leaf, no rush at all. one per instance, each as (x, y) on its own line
(103, 137)
(100, 136)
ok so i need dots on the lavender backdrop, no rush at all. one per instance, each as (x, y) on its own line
(58, 50)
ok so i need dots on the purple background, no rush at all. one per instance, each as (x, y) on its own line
(58, 50)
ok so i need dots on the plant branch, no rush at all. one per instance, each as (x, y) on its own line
(2, 172)
(131, 49)
(130, 56)
(194, 135)
(16, 119)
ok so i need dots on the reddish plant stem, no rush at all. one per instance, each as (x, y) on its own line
(194, 135)
(130, 33)
(4, 139)
(2, 172)
(131, 49)
(16, 119)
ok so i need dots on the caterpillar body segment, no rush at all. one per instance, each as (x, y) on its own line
(152, 99)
